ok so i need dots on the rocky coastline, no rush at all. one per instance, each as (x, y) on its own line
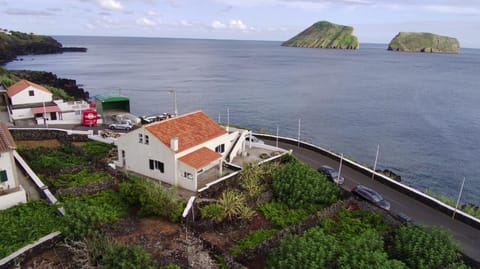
(42, 77)
(14, 44)
(424, 42)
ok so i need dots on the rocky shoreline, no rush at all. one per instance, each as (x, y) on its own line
(42, 77)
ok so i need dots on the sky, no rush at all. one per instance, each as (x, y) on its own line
(374, 21)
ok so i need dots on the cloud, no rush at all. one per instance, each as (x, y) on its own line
(218, 25)
(27, 12)
(185, 23)
(454, 9)
(110, 4)
(237, 24)
(153, 13)
(107, 4)
(146, 22)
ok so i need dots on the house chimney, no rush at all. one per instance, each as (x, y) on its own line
(174, 144)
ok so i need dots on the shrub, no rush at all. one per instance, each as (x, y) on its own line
(298, 185)
(96, 149)
(250, 179)
(280, 215)
(86, 214)
(45, 159)
(253, 239)
(213, 211)
(24, 223)
(120, 256)
(424, 247)
(6, 81)
(152, 199)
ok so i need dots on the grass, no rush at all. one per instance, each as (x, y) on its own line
(469, 209)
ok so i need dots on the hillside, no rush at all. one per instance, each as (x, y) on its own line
(424, 42)
(325, 34)
(13, 43)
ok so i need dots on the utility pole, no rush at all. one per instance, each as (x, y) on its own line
(458, 199)
(175, 110)
(340, 167)
(376, 159)
(276, 143)
(299, 126)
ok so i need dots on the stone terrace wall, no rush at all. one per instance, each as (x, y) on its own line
(39, 134)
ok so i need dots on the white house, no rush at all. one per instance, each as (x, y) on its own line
(30, 101)
(11, 192)
(177, 150)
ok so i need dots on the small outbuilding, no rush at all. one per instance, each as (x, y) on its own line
(105, 103)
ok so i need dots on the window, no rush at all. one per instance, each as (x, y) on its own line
(220, 148)
(31, 93)
(147, 141)
(154, 164)
(3, 176)
(140, 138)
(188, 175)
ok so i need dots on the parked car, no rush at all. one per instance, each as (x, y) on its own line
(371, 196)
(254, 139)
(404, 218)
(331, 174)
(121, 125)
(153, 118)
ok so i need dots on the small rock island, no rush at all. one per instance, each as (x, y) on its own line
(424, 42)
(324, 34)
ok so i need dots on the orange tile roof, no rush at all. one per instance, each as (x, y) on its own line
(192, 129)
(200, 157)
(22, 85)
(6, 140)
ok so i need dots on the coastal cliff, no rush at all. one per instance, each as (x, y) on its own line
(14, 43)
(325, 34)
(424, 42)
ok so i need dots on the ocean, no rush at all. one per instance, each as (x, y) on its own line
(422, 109)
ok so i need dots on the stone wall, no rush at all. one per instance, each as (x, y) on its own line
(39, 134)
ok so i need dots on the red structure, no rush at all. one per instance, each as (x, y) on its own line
(89, 117)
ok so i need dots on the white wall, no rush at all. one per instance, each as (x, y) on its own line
(22, 113)
(189, 184)
(137, 156)
(23, 97)
(14, 198)
(7, 163)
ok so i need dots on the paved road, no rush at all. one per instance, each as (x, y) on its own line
(468, 236)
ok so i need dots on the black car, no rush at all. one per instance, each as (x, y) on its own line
(331, 174)
(371, 196)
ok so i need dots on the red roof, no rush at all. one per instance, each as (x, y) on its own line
(200, 158)
(22, 85)
(191, 129)
(6, 140)
(46, 109)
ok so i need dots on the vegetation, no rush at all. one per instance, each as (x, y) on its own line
(298, 186)
(25, 223)
(352, 240)
(86, 214)
(472, 210)
(119, 256)
(424, 42)
(253, 239)
(325, 34)
(18, 43)
(425, 247)
(75, 179)
(152, 199)
(97, 150)
(58, 93)
(230, 205)
(43, 160)
(281, 216)
(6, 81)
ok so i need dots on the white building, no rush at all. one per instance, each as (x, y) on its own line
(30, 101)
(178, 150)
(11, 192)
